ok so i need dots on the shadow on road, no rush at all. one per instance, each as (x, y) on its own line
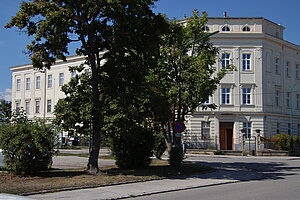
(247, 171)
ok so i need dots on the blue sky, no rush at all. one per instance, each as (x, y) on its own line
(13, 43)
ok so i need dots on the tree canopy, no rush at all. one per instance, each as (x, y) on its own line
(127, 31)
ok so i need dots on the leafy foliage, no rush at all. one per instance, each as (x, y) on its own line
(74, 112)
(283, 141)
(28, 146)
(133, 147)
(185, 75)
(159, 145)
(5, 111)
(176, 156)
(126, 31)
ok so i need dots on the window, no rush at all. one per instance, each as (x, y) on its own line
(49, 105)
(287, 69)
(289, 128)
(246, 61)
(73, 74)
(27, 83)
(298, 101)
(37, 106)
(206, 102)
(18, 84)
(49, 81)
(225, 60)
(225, 28)
(18, 106)
(205, 130)
(205, 28)
(225, 95)
(277, 98)
(38, 82)
(246, 95)
(277, 127)
(61, 79)
(288, 95)
(276, 65)
(297, 72)
(246, 29)
(247, 129)
(27, 107)
(298, 131)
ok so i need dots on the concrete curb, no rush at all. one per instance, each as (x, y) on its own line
(87, 187)
(175, 190)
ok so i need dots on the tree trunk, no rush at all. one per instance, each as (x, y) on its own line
(92, 167)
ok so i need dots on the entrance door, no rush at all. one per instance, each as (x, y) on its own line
(226, 135)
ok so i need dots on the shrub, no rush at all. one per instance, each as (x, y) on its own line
(132, 148)
(282, 141)
(27, 146)
(176, 156)
(218, 152)
(159, 145)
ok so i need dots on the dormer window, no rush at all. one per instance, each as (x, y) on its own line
(205, 28)
(225, 28)
(246, 29)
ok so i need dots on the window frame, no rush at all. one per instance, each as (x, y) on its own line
(205, 127)
(246, 29)
(226, 95)
(37, 106)
(247, 127)
(18, 84)
(277, 66)
(38, 82)
(225, 28)
(297, 72)
(225, 60)
(49, 106)
(246, 95)
(27, 107)
(246, 62)
(277, 98)
(49, 81)
(287, 69)
(27, 83)
(288, 99)
(61, 79)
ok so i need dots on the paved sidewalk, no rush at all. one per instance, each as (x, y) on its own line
(220, 176)
(133, 189)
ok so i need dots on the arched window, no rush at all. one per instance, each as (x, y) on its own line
(246, 29)
(225, 28)
(205, 28)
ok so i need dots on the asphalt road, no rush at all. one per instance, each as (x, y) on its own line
(264, 178)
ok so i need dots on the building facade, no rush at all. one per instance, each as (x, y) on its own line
(37, 91)
(260, 97)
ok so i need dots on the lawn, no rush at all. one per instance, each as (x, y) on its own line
(56, 179)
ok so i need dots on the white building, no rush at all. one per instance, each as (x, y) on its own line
(261, 94)
(38, 91)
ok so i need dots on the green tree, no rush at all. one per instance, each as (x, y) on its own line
(112, 27)
(27, 146)
(185, 75)
(74, 112)
(5, 111)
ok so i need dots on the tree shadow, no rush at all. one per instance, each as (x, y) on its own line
(247, 171)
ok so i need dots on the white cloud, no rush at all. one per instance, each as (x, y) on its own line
(6, 95)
